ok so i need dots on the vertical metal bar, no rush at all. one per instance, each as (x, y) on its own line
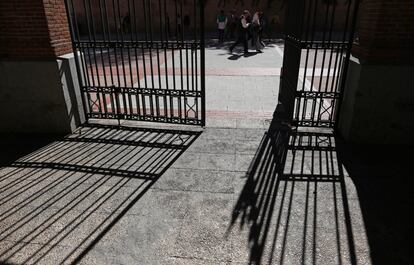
(195, 21)
(192, 65)
(165, 57)
(90, 64)
(173, 65)
(135, 40)
(99, 87)
(177, 32)
(122, 44)
(157, 103)
(102, 57)
(181, 22)
(315, 99)
(129, 47)
(177, 29)
(321, 97)
(108, 44)
(144, 103)
(336, 66)
(187, 81)
(149, 17)
(202, 62)
(116, 95)
(86, 76)
(332, 51)
(340, 67)
(306, 58)
(305, 101)
(181, 59)
(346, 64)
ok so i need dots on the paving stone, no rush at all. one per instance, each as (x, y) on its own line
(221, 122)
(213, 146)
(203, 232)
(217, 162)
(197, 180)
(244, 161)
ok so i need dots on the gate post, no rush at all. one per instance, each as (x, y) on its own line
(378, 100)
(38, 86)
(291, 60)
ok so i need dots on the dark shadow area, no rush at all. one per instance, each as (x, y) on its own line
(214, 44)
(58, 202)
(383, 179)
(309, 198)
(14, 146)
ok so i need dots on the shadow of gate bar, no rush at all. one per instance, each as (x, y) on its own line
(138, 60)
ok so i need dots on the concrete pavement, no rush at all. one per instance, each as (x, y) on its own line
(183, 195)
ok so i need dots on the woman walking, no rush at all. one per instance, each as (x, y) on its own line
(243, 27)
(256, 41)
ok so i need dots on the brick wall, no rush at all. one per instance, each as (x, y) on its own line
(386, 31)
(32, 29)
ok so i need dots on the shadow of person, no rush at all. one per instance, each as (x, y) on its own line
(234, 57)
(250, 54)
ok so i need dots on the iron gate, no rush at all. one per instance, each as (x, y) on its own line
(318, 39)
(140, 59)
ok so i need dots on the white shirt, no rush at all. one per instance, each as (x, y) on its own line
(222, 25)
(244, 23)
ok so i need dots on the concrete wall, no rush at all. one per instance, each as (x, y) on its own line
(378, 104)
(39, 96)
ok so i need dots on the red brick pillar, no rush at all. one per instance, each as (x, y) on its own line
(39, 92)
(386, 31)
(378, 103)
(33, 29)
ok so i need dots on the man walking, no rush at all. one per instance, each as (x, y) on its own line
(231, 25)
(243, 27)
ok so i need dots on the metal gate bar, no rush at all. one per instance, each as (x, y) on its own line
(138, 60)
(319, 35)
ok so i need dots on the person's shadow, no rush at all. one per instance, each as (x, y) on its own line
(235, 57)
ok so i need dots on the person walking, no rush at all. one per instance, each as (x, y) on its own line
(231, 24)
(221, 25)
(256, 42)
(263, 24)
(243, 27)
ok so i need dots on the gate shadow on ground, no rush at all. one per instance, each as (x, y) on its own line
(59, 202)
(310, 198)
(295, 204)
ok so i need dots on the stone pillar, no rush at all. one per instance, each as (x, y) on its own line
(39, 92)
(378, 104)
